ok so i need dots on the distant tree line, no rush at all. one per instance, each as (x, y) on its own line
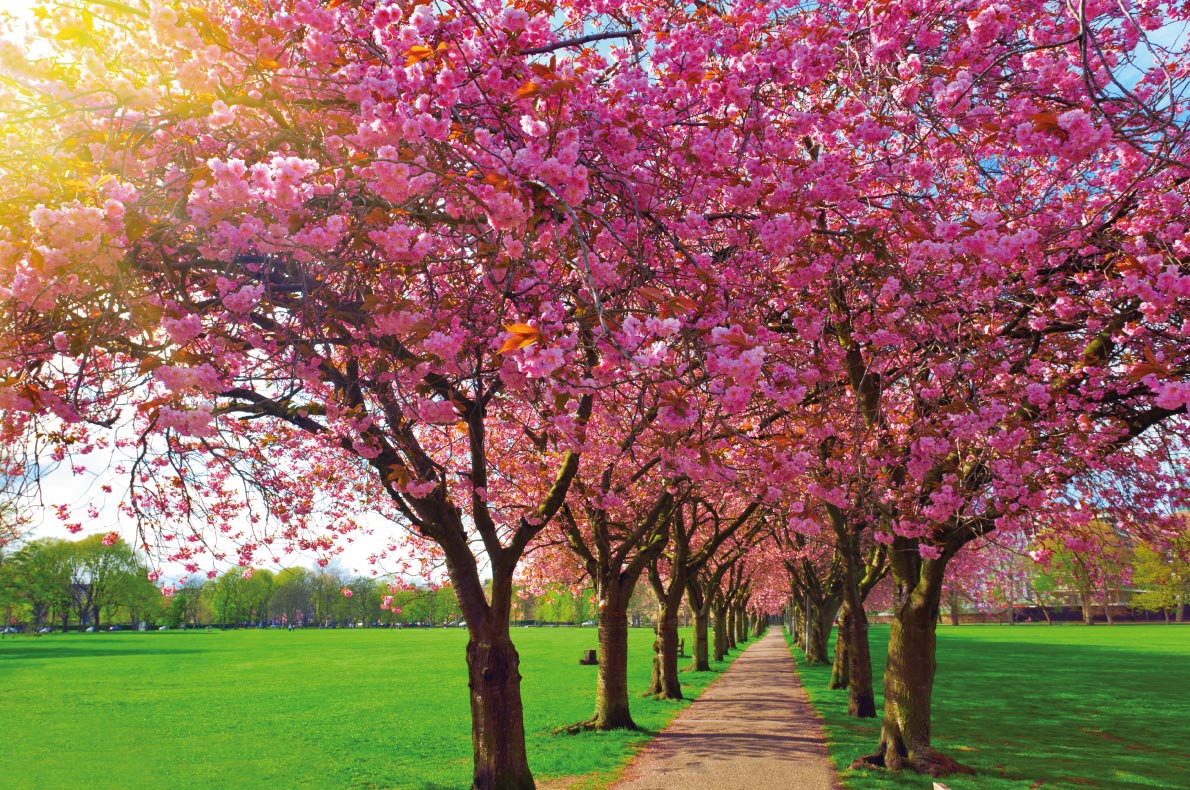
(97, 582)
(326, 597)
(85, 583)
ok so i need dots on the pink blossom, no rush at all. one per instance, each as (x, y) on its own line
(929, 551)
(182, 330)
(243, 300)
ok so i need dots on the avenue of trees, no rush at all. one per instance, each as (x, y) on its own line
(757, 305)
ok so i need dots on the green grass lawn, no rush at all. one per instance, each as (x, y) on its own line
(1040, 707)
(271, 708)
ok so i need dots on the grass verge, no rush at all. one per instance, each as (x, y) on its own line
(1068, 707)
(320, 709)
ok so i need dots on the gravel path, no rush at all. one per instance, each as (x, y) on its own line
(752, 729)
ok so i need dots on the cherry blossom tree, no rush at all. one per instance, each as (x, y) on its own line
(308, 259)
(318, 259)
(699, 529)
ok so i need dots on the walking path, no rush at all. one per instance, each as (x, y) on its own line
(752, 729)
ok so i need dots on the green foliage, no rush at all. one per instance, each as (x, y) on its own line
(38, 576)
(234, 598)
(1059, 708)
(560, 604)
(1163, 577)
(309, 708)
(424, 605)
(52, 581)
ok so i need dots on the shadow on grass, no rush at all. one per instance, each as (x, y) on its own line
(1032, 713)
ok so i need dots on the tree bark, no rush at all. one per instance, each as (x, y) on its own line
(497, 718)
(700, 660)
(494, 678)
(700, 604)
(665, 684)
(909, 673)
(721, 641)
(1088, 610)
(799, 623)
(741, 626)
(861, 700)
(731, 630)
(611, 688)
(841, 669)
(820, 629)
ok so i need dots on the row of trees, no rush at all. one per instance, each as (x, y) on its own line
(98, 582)
(303, 597)
(91, 582)
(1116, 575)
(727, 298)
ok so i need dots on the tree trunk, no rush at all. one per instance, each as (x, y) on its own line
(797, 624)
(700, 604)
(861, 700)
(655, 682)
(497, 720)
(611, 688)
(840, 671)
(820, 629)
(699, 651)
(721, 642)
(1088, 611)
(741, 626)
(731, 632)
(665, 684)
(758, 624)
(1045, 613)
(909, 673)
(494, 679)
(952, 601)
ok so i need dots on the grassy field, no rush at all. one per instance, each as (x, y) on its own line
(271, 708)
(1040, 708)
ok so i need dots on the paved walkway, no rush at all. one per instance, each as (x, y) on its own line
(752, 729)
